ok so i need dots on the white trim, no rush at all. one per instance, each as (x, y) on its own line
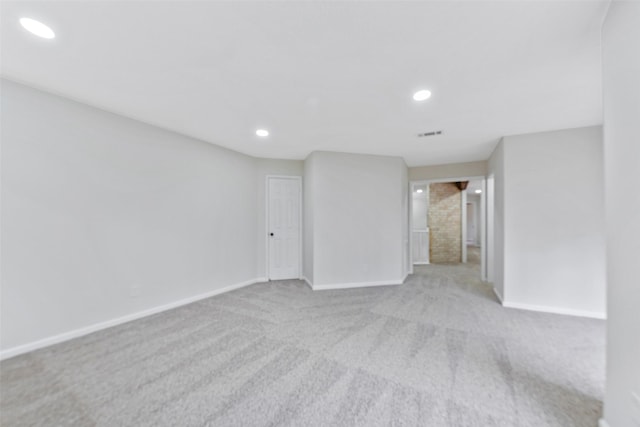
(411, 230)
(603, 423)
(266, 224)
(356, 285)
(463, 226)
(483, 232)
(66, 336)
(490, 229)
(410, 200)
(495, 291)
(555, 310)
(307, 281)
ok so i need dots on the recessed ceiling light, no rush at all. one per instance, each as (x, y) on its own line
(478, 191)
(37, 28)
(422, 95)
(262, 132)
(419, 190)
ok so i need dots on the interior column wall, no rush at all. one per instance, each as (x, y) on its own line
(549, 221)
(357, 219)
(554, 241)
(621, 34)
(308, 223)
(496, 221)
(405, 233)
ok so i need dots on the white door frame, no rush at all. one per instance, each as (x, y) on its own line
(488, 221)
(483, 233)
(411, 186)
(484, 241)
(463, 224)
(266, 223)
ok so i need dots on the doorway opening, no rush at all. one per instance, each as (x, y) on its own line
(420, 247)
(448, 222)
(473, 220)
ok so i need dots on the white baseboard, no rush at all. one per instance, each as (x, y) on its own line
(332, 286)
(495, 291)
(602, 423)
(66, 336)
(307, 281)
(555, 310)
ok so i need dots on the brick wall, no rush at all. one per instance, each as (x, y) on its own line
(445, 227)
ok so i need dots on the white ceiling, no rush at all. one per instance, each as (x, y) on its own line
(333, 76)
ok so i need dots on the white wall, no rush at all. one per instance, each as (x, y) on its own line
(265, 167)
(405, 233)
(96, 207)
(358, 204)
(490, 228)
(549, 221)
(621, 38)
(496, 220)
(554, 220)
(453, 170)
(308, 223)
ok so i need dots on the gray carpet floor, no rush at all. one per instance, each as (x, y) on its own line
(436, 351)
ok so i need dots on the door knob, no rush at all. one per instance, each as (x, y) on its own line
(271, 234)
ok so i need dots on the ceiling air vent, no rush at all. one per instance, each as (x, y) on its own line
(433, 133)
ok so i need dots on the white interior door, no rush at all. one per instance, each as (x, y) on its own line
(420, 246)
(471, 224)
(283, 227)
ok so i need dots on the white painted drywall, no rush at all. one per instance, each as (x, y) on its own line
(264, 168)
(554, 244)
(97, 207)
(621, 72)
(496, 220)
(454, 170)
(357, 226)
(490, 228)
(405, 233)
(308, 195)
